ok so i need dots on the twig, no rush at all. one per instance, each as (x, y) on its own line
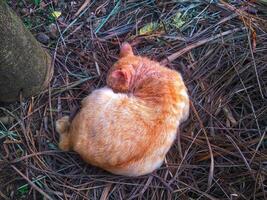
(114, 10)
(199, 191)
(238, 149)
(255, 67)
(258, 146)
(238, 11)
(86, 2)
(31, 183)
(211, 171)
(4, 196)
(105, 192)
(197, 44)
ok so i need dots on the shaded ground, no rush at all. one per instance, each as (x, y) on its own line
(221, 50)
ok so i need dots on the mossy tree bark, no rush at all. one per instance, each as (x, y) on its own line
(25, 67)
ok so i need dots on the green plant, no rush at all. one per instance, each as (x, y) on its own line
(37, 2)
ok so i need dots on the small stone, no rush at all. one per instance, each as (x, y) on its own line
(103, 11)
(53, 31)
(43, 38)
(24, 11)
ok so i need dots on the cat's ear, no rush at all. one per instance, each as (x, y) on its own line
(121, 76)
(126, 50)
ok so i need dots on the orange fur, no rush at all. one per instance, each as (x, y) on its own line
(128, 126)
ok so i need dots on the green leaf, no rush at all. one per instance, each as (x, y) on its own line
(56, 14)
(148, 28)
(23, 190)
(178, 20)
(36, 2)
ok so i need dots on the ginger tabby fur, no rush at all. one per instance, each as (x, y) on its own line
(128, 126)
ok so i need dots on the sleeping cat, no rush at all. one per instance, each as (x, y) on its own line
(128, 126)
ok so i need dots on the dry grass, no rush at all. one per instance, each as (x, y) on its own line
(221, 152)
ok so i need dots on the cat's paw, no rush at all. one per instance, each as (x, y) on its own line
(62, 125)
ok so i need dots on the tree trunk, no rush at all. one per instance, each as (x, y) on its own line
(25, 67)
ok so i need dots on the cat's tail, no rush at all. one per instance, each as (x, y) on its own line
(62, 127)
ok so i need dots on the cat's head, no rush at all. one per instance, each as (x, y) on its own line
(122, 72)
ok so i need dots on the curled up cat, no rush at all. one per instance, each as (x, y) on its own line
(128, 126)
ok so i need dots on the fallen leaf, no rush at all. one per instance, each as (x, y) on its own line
(178, 20)
(148, 28)
(56, 14)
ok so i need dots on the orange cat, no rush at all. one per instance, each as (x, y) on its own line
(128, 127)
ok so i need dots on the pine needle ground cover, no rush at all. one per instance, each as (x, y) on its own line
(220, 47)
